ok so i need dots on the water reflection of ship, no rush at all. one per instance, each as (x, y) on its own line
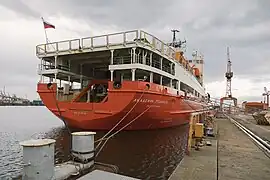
(153, 158)
(62, 144)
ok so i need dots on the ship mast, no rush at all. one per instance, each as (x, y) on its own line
(174, 38)
(175, 43)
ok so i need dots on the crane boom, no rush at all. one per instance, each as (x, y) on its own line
(229, 75)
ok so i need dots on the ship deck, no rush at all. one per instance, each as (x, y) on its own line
(127, 39)
(118, 51)
(105, 52)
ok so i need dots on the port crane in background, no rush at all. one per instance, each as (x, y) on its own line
(266, 93)
(7, 99)
(228, 75)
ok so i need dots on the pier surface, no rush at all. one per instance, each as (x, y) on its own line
(232, 155)
(249, 122)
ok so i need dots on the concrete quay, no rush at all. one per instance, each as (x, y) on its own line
(249, 122)
(233, 155)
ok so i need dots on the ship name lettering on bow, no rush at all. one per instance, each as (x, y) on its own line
(150, 101)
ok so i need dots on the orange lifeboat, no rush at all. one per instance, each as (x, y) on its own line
(180, 58)
(196, 72)
(177, 56)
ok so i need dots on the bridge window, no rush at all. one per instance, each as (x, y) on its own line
(166, 81)
(173, 69)
(175, 83)
(156, 61)
(186, 88)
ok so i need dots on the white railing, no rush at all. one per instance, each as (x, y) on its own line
(158, 45)
(42, 67)
(60, 46)
(121, 38)
(108, 40)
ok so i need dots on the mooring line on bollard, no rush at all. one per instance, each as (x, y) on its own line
(59, 111)
(79, 170)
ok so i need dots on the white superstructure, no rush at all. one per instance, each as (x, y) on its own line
(131, 55)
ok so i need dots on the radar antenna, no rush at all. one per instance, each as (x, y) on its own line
(174, 31)
(175, 43)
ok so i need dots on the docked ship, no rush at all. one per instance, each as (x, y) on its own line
(129, 80)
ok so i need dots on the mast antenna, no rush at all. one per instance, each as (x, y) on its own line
(176, 44)
(174, 37)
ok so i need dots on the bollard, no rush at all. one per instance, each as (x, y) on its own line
(38, 159)
(83, 146)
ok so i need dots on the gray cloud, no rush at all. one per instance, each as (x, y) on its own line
(250, 98)
(19, 7)
(208, 25)
(131, 14)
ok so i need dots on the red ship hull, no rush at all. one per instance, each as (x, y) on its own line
(141, 105)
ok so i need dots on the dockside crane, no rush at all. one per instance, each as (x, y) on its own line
(266, 93)
(228, 75)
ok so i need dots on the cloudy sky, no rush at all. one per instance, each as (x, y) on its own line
(207, 25)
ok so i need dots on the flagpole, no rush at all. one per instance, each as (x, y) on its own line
(47, 41)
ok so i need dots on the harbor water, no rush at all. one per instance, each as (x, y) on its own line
(151, 154)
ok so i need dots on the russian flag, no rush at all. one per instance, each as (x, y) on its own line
(48, 25)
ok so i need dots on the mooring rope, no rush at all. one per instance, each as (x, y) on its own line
(77, 167)
(106, 139)
(123, 118)
(59, 111)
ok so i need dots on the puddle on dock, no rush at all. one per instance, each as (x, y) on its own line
(149, 154)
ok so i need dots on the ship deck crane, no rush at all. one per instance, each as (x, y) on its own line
(228, 75)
